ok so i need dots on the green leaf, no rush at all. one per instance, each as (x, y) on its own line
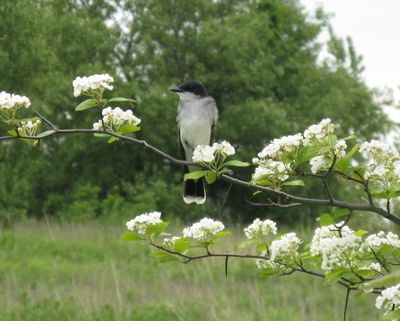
(195, 175)
(221, 234)
(211, 177)
(12, 132)
(304, 155)
(340, 212)
(236, 163)
(266, 273)
(343, 164)
(261, 248)
(163, 257)
(86, 104)
(128, 128)
(392, 315)
(326, 219)
(156, 229)
(112, 140)
(360, 232)
(46, 133)
(181, 245)
(297, 182)
(101, 135)
(384, 281)
(159, 254)
(120, 100)
(380, 194)
(247, 243)
(334, 276)
(131, 236)
(331, 140)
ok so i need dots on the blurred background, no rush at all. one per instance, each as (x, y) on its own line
(271, 73)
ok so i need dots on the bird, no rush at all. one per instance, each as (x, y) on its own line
(197, 119)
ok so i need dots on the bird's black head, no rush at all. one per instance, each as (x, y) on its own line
(191, 86)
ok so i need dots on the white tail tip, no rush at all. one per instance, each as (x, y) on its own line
(194, 199)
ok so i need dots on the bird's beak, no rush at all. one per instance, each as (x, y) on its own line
(176, 89)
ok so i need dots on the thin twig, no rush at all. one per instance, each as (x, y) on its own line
(224, 201)
(273, 204)
(346, 304)
(48, 122)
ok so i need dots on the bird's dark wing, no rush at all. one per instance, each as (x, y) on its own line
(182, 151)
(213, 130)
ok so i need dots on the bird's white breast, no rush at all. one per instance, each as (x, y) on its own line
(195, 123)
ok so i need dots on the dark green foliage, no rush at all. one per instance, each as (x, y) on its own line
(257, 59)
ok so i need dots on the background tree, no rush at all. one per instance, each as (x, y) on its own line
(258, 59)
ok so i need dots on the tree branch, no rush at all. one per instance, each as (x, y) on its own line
(302, 200)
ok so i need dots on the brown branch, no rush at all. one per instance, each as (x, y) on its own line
(189, 259)
(273, 204)
(302, 200)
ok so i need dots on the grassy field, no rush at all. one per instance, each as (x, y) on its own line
(52, 272)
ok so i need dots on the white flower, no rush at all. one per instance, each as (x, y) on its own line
(203, 154)
(340, 148)
(169, 242)
(207, 154)
(389, 299)
(140, 223)
(260, 229)
(319, 163)
(91, 84)
(378, 149)
(376, 241)
(114, 118)
(373, 266)
(203, 229)
(29, 128)
(286, 246)
(279, 147)
(337, 249)
(267, 263)
(270, 167)
(319, 131)
(384, 162)
(225, 148)
(11, 101)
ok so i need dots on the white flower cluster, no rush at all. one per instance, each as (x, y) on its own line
(376, 241)
(384, 165)
(275, 159)
(286, 246)
(268, 263)
(92, 84)
(204, 229)
(270, 167)
(389, 299)
(324, 162)
(29, 128)
(318, 131)
(281, 146)
(140, 223)
(207, 154)
(373, 266)
(260, 229)
(169, 242)
(11, 101)
(337, 249)
(379, 150)
(114, 118)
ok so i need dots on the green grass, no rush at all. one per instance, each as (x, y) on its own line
(52, 272)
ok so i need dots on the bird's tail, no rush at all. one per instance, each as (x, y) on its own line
(194, 191)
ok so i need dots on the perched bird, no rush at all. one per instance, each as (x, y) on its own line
(197, 118)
